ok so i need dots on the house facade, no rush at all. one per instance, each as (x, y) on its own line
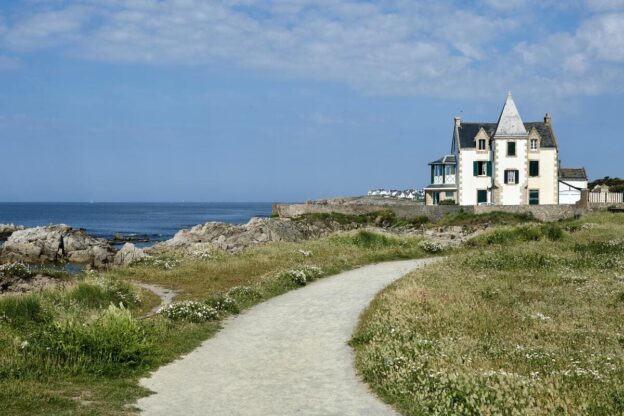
(509, 162)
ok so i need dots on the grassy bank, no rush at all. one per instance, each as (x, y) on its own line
(527, 321)
(81, 349)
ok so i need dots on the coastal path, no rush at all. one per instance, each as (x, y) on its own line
(284, 357)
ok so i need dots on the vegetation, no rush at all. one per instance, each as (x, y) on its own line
(81, 349)
(491, 218)
(526, 322)
(614, 184)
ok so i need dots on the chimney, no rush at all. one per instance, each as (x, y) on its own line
(457, 121)
(547, 119)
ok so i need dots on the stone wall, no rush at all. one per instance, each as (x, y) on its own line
(408, 209)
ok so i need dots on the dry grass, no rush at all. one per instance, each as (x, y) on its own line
(518, 326)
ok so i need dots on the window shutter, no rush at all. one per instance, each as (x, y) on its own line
(475, 168)
(517, 176)
(536, 168)
(506, 177)
(432, 166)
(489, 168)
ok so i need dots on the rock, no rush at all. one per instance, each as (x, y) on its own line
(14, 284)
(233, 237)
(56, 243)
(128, 254)
(7, 229)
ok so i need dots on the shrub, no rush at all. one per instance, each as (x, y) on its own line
(21, 310)
(112, 342)
(302, 275)
(163, 262)
(369, 239)
(431, 246)
(496, 217)
(244, 294)
(504, 260)
(189, 311)
(17, 269)
(447, 202)
(223, 303)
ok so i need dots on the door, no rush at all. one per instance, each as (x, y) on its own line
(436, 198)
(482, 196)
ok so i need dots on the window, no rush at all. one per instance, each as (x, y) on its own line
(511, 177)
(482, 168)
(450, 170)
(511, 148)
(533, 168)
(481, 196)
(449, 194)
(533, 196)
(481, 144)
(533, 144)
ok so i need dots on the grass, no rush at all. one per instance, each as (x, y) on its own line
(81, 349)
(526, 321)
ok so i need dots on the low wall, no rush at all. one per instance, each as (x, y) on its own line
(410, 210)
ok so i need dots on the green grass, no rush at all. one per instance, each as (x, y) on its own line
(528, 321)
(81, 349)
(492, 218)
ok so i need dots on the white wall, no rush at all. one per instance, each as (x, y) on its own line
(547, 180)
(510, 194)
(469, 184)
(569, 195)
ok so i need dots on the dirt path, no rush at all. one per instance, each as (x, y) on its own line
(287, 356)
(166, 295)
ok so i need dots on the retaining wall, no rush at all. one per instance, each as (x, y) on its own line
(410, 210)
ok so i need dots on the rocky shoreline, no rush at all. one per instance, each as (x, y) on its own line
(62, 244)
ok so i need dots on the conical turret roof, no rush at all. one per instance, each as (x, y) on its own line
(509, 122)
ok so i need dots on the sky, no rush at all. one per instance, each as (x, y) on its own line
(249, 100)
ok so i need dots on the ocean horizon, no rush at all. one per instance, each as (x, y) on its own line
(151, 221)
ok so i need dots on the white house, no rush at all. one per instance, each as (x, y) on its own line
(509, 162)
(571, 183)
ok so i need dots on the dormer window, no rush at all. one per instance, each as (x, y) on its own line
(533, 144)
(482, 144)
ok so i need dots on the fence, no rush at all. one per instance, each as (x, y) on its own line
(606, 197)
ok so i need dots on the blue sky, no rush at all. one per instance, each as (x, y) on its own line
(242, 100)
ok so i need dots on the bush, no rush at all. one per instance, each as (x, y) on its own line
(369, 239)
(495, 217)
(244, 294)
(16, 270)
(107, 345)
(431, 246)
(302, 275)
(447, 202)
(223, 303)
(22, 310)
(189, 311)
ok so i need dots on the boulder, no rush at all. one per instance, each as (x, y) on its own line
(7, 229)
(235, 237)
(128, 254)
(56, 243)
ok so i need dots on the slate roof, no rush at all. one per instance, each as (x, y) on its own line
(468, 131)
(445, 160)
(572, 174)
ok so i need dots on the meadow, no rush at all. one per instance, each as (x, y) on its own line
(82, 348)
(526, 319)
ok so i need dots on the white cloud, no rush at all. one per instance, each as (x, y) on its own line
(436, 48)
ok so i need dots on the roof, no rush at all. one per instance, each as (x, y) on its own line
(442, 186)
(573, 174)
(468, 131)
(509, 121)
(445, 160)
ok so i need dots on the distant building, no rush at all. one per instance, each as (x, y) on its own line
(411, 194)
(509, 162)
(571, 182)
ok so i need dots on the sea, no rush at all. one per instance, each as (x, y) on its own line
(147, 223)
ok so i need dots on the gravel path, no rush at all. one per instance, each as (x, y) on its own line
(287, 356)
(166, 295)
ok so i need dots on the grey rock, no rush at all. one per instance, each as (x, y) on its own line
(128, 254)
(56, 243)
